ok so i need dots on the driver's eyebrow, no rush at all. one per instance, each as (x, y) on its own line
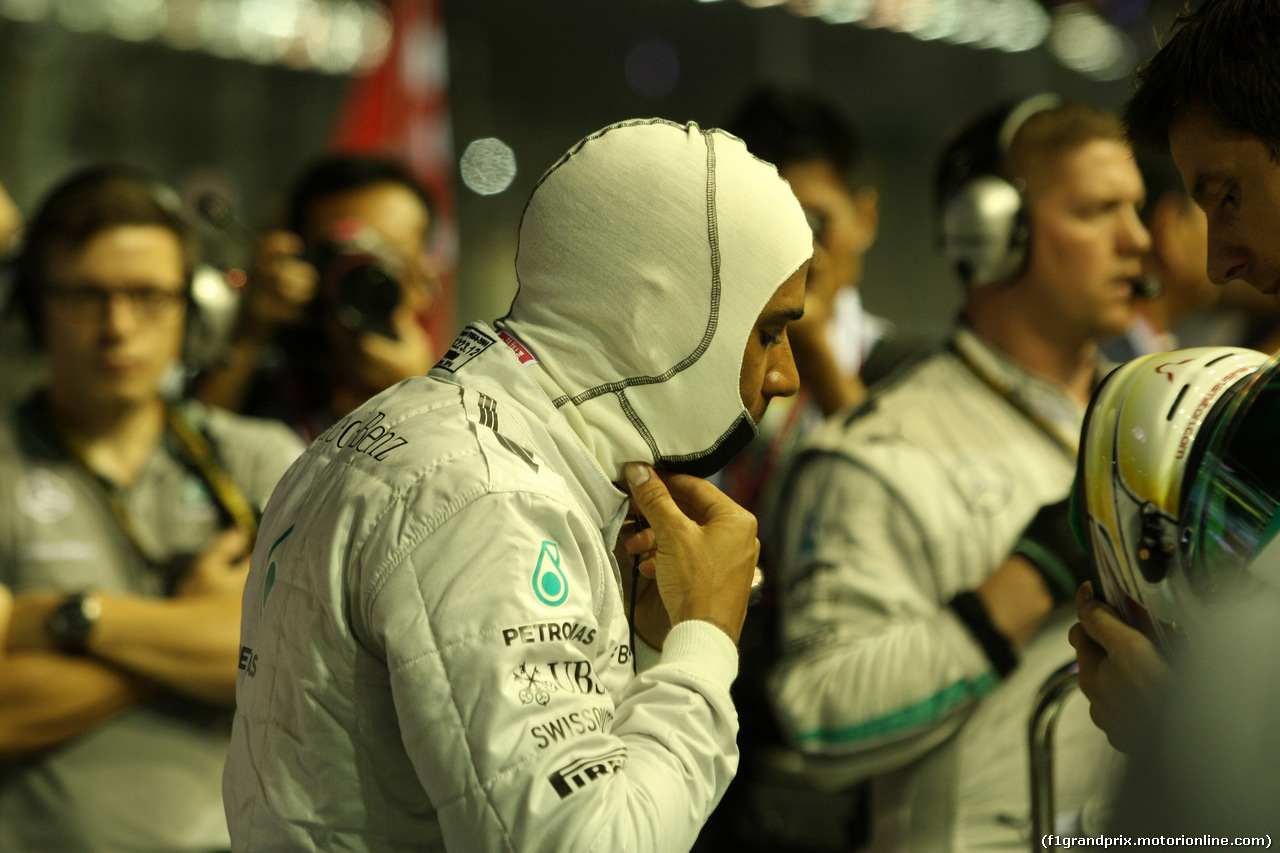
(782, 316)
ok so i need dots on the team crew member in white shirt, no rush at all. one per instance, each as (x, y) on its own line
(926, 554)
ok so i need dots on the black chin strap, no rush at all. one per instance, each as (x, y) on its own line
(640, 524)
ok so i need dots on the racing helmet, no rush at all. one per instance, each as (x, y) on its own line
(1180, 480)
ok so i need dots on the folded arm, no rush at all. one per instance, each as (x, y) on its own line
(188, 643)
(48, 698)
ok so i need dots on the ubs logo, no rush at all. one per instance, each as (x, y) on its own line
(537, 683)
(533, 687)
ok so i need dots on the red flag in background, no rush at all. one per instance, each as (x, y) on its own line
(401, 108)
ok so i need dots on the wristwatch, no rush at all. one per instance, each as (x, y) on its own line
(72, 622)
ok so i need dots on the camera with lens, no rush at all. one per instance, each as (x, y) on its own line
(359, 278)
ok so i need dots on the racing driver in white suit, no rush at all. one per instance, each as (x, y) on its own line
(436, 647)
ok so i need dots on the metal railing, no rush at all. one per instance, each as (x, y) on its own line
(1044, 721)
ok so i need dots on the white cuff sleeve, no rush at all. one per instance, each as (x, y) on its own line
(702, 650)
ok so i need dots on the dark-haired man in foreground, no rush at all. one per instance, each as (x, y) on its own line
(1211, 97)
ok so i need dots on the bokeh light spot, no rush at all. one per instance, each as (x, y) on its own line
(488, 166)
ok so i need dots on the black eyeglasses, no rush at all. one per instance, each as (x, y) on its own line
(90, 303)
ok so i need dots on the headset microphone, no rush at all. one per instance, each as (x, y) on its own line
(1147, 287)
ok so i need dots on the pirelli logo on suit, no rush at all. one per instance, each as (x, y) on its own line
(571, 779)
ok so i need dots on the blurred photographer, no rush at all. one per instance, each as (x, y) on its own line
(333, 308)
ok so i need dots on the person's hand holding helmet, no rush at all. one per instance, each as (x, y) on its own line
(1121, 671)
(1179, 497)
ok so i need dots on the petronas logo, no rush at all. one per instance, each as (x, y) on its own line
(549, 583)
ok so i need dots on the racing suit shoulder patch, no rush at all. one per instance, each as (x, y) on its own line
(489, 417)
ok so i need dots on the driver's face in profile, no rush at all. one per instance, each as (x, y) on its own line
(768, 368)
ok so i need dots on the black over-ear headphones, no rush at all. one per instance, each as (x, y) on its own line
(983, 226)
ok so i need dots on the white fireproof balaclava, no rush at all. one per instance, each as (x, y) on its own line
(646, 255)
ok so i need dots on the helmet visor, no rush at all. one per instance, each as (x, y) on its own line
(1230, 511)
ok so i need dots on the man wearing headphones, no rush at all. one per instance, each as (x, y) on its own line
(126, 525)
(926, 556)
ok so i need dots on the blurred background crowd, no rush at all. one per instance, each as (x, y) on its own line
(234, 98)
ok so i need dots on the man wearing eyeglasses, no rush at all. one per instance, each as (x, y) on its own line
(125, 525)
